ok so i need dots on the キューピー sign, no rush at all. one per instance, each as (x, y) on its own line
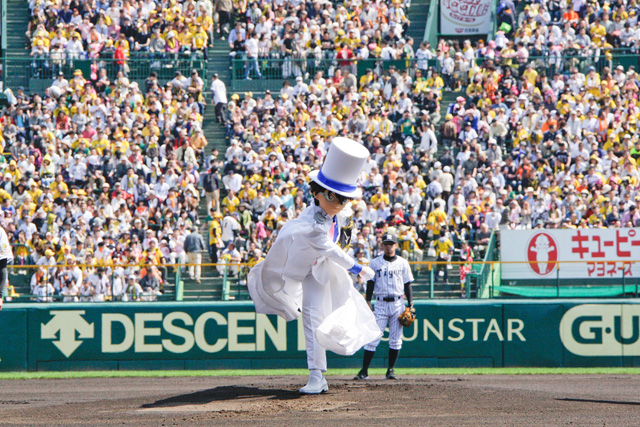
(465, 17)
(570, 254)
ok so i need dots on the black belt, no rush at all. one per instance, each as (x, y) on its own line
(388, 299)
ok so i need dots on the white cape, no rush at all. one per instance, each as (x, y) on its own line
(303, 252)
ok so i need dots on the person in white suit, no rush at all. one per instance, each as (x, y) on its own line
(306, 272)
(6, 257)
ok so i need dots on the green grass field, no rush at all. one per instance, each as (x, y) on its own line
(332, 372)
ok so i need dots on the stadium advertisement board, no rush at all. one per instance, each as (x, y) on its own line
(147, 336)
(465, 17)
(595, 254)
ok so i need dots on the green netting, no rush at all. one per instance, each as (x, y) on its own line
(566, 291)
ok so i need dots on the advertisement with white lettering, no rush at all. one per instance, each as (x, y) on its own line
(490, 333)
(602, 330)
(465, 17)
(179, 332)
(570, 254)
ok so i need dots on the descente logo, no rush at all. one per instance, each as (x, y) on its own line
(602, 330)
(174, 332)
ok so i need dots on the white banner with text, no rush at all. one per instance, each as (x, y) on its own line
(465, 17)
(580, 254)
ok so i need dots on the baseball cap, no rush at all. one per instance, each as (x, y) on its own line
(389, 238)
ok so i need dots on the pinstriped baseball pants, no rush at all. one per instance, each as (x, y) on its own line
(387, 315)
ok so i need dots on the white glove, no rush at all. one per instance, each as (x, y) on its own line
(367, 273)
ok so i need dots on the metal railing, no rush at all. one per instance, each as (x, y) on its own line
(34, 73)
(553, 64)
(30, 283)
(228, 281)
(483, 273)
(3, 41)
(3, 25)
(275, 69)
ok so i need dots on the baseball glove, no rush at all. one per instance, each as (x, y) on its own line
(407, 317)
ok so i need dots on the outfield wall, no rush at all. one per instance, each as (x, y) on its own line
(143, 336)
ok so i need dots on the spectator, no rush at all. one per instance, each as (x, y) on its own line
(219, 98)
(193, 247)
(231, 255)
(133, 290)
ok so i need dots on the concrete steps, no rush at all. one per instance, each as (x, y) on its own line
(212, 284)
(417, 15)
(210, 288)
(213, 131)
(421, 288)
(219, 61)
(17, 20)
(448, 98)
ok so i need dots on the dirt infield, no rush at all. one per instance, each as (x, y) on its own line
(500, 400)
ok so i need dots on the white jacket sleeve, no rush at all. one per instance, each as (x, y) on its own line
(5, 246)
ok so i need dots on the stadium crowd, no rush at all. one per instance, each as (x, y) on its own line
(62, 31)
(305, 35)
(276, 140)
(519, 148)
(556, 28)
(102, 173)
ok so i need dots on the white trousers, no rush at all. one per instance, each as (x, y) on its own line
(387, 315)
(195, 258)
(314, 296)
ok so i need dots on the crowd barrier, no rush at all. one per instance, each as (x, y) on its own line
(276, 69)
(36, 73)
(228, 281)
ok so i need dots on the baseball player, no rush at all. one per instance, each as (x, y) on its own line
(392, 280)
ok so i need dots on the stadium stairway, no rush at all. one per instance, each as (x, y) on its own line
(448, 97)
(210, 289)
(422, 276)
(218, 63)
(417, 15)
(17, 21)
(453, 289)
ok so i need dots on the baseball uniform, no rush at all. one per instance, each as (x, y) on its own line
(389, 289)
(391, 282)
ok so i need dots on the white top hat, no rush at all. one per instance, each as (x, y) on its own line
(342, 166)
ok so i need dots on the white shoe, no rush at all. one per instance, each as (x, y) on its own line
(315, 386)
